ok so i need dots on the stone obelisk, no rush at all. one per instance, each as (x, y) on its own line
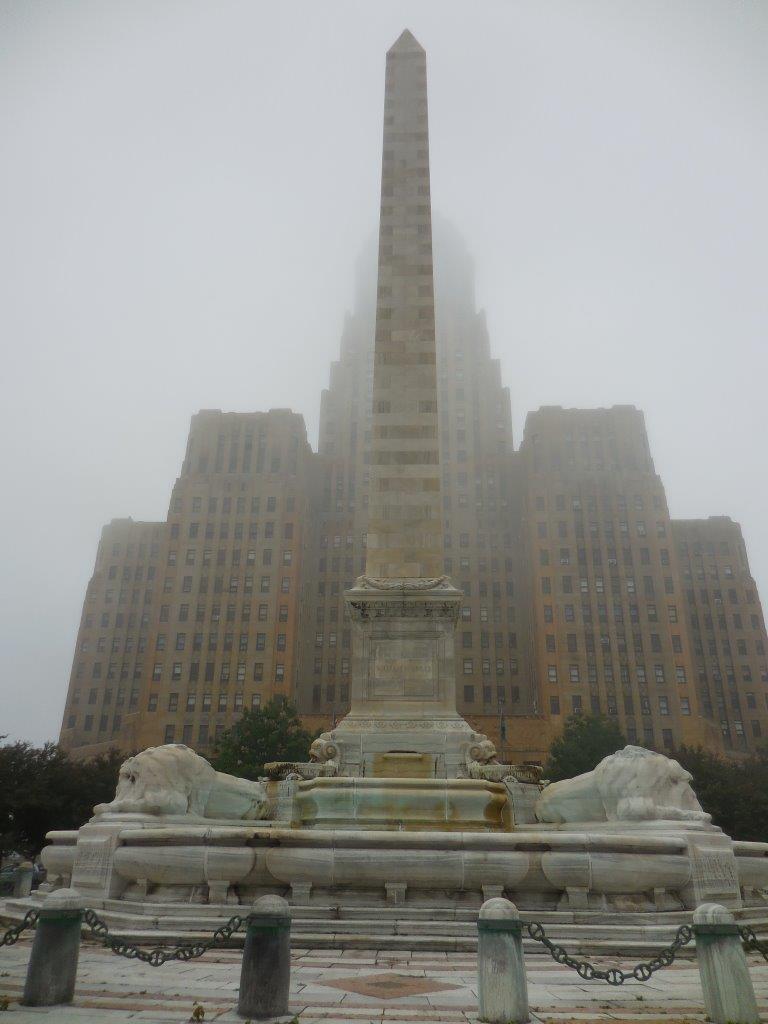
(403, 718)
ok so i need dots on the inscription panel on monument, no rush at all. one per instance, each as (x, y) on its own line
(403, 668)
(714, 873)
(92, 863)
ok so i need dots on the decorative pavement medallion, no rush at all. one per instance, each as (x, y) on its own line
(389, 986)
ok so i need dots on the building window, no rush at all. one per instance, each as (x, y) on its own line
(469, 694)
(170, 731)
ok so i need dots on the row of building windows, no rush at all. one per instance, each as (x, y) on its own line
(599, 584)
(196, 641)
(569, 612)
(563, 556)
(227, 671)
(206, 703)
(232, 585)
(239, 531)
(575, 673)
(468, 666)
(183, 615)
(608, 531)
(227, 505)
(577, 504)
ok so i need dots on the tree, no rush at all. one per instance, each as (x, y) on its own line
(583, 743)
(270, 733)
(735, 793)
(42, 788)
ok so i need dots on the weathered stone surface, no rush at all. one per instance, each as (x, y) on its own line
(266, 969)
(402, 803)
(714, 873)
(501, 980)
(52, 967)
(403, 680)
(729, 996)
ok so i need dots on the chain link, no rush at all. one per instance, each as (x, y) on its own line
(12, 935)
(751, 941)
(614, 976)
(157, 955)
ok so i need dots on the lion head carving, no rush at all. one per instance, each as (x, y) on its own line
(483, 751)
(323, 749)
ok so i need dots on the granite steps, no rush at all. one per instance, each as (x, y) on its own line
(443, 929)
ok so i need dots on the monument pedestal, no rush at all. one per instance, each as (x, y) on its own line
(403, 721)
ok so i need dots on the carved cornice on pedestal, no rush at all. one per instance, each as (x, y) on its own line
(403, 597)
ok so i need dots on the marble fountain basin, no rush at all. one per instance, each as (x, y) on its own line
(402, 804)
(172, 862)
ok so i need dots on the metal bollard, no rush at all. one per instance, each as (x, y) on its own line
(502, 985)
(55, 949)
(729, 997)
(266, 971)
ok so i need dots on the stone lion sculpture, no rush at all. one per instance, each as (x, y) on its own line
(634, 784)
(173, 779)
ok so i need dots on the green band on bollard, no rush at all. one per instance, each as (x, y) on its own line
(715, 929)
(499, 925)
(60, 916)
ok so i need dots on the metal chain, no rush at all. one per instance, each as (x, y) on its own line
(157, 956)
(751, 941)
(614, 976)
(12, 935)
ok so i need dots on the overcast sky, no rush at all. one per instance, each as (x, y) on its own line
(185, 187)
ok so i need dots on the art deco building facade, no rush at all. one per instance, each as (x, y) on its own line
(581, 594)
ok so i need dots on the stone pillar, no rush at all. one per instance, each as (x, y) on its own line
(729, 997)
(52, 966)
(266, 971)
(502, 986)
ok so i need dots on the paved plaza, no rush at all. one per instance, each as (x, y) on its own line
(358, 987)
